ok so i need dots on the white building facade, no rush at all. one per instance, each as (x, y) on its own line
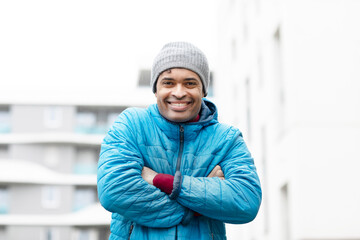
(49, 149)
(48, 173)
(288, 76)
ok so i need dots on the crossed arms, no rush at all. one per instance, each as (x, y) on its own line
(123, 190)
(148, 174)
(125, 185)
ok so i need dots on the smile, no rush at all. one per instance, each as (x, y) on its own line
(179, 106)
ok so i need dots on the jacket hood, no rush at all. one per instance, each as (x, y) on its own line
(208, 111)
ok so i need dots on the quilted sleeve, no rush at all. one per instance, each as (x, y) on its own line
(233, 200)
(122, 190)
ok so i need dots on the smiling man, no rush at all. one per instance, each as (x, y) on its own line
(179, 94)
(172, 171)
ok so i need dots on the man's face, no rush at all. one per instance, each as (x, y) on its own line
(179, 93)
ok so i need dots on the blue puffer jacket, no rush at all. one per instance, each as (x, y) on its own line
(142, 137)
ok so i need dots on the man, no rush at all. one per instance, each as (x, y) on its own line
(172, 171)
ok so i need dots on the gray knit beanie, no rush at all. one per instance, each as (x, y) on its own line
(181, 55)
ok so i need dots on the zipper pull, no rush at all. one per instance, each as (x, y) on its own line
(181, 134)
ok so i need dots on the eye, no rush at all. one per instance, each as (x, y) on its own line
(192, 84)
(166, 83)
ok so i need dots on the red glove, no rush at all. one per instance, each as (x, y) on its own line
(164, 182)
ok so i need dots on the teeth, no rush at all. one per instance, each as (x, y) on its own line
(179, 104)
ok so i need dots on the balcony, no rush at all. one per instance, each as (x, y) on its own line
(93, 215)
(72, 138)
(23, 172)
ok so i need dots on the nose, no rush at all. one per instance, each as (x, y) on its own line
(179, 91)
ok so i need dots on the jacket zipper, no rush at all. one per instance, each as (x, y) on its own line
(176, 237)
(178, 162)
(130, 231)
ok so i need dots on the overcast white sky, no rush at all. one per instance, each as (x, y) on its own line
(55, 46)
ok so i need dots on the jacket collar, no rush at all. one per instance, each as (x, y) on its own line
(208, 116)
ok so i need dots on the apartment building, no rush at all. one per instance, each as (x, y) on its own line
(48, 161)
(288, 77)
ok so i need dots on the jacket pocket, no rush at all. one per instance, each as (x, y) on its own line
(130, 231)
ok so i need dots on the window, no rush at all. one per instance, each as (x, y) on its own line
(50, 234)
(51, 155)
(86, 160)
(111, 118)
(144, 78)
(265, 203)
(236, 100)
(86, 234)
(211, 84)
(85, 122)
(284, 197)
(279, 81)
(245, 24)
(103, 233)
(248, 107)
(260, 69)
(3, 151)
(2, 232)
(53, 117)
(4, 208)
(84, 197)
(50, 197)
(5, 119)
(96, 120)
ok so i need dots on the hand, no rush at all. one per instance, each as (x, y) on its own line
(148, 175)
(217, 172)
